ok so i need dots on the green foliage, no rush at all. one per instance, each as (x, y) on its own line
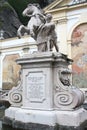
(5, 5)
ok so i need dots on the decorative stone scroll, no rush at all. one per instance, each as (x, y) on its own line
(15, 96)
(66, 96)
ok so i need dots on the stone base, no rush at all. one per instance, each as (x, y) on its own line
(32, 126)
(25, 118)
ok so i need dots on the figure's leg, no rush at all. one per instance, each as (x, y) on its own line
(51, 45)
(55, 44)
(56, 47)
(48, 44)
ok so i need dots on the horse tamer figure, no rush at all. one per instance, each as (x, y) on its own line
(40, 28)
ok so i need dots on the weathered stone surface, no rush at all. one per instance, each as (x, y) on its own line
(7, 121)
(31, 126)
(9, 21)
(46, 100)
(42, 72)
(40, 27)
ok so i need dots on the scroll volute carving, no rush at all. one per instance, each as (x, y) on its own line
(66, 96)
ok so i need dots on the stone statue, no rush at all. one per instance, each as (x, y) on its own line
(40, 28)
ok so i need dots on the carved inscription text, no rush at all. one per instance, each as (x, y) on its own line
(35, 86)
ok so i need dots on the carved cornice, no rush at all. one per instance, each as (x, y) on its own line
(67, 7)
(78, 1)
(61, 21)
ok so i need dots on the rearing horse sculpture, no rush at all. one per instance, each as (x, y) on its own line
(39, 27)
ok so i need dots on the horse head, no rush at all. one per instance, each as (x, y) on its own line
(31, 10)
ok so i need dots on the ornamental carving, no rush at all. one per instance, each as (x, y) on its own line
(15, 94)
(40, 27)
(66, 96)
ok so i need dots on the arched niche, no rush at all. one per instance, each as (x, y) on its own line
(79, 55)
(10, 73)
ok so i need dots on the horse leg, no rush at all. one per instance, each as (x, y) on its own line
(32, 31)
(22, 29)
(19, 34)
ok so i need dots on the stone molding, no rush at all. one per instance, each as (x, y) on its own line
(62, 21)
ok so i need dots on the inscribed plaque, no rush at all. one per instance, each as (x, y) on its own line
(35, 86)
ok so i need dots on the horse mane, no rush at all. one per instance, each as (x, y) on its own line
(37, 5)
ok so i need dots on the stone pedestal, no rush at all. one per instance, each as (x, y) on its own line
(48, 120)
(45, 95)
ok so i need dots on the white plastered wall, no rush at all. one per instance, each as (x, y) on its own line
(14, 46)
